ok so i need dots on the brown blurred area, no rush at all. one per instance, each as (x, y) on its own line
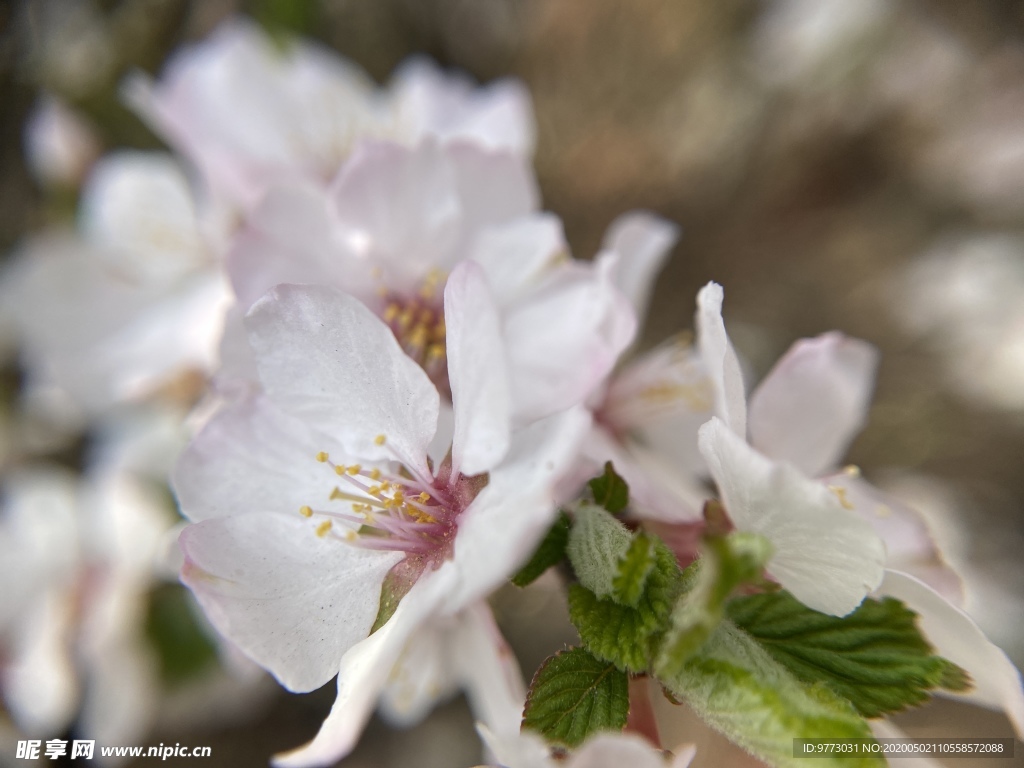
(808, 183)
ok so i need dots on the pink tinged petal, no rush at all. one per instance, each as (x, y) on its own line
(826, 556)
(643, 242)
(399, 207)
(326, 359)
(566, 338)
(252, 457)
(505, 522)
(432, 103)
(493, 187)
(364, 672)
(997, 683)
(477, 371)
(517, 255)
(289, 238)
(814, 402)
(293, 601)
(723, 367)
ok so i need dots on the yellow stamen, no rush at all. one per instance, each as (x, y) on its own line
(375, 473)
(391, 312)
(355, 469)
(306, 511)
(324, 528)
(379, 440)
(322, 456)
(841, 494)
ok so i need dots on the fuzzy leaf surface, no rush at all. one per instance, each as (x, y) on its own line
(736, 687)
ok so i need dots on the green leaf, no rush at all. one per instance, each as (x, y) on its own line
(738, 689)
(184, 651)
(597, 542)
(574, 695)
(633, 569)
(875, 657)
(610, 491)
(623, 635)
(550, 552)
(727, 562)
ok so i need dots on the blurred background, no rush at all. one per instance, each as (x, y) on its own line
(835, 165)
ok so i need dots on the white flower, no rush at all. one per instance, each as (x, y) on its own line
(397, 221)
(828, 557)
(131, 304)
(250, 112)
(300, 595)
(648, 413)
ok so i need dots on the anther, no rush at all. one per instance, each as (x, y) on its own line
(324, 528)
(379, 440)
(306, 511)
(322, 457)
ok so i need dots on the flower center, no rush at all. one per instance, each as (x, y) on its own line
(417, 320)
(389, 510)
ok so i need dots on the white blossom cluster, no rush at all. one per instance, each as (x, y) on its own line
(391, 375)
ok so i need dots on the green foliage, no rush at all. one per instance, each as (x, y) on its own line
(727, 563)
(597, 542)
(738, 689)
(627, 635)
(550, 552)
(610, 491)
(184, 652)
(632, 570)
(875, 657)
(574, 695)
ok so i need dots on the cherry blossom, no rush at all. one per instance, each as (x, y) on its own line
(295, 576)
(251, 112)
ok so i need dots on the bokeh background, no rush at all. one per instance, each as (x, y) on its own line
(835, 164)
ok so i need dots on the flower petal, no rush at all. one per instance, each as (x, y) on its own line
(488, 670)
(138, 209)
(292, 601)
(505, 522)
(252, 457)
(364, 673)
(494, 187)
(997, 683)
(399, 208)
(827, 557)
(720, 361)
(814, 402)
(432, 103)
(289, 238)
(518, 254)
(326, 359)
(643, 242)
(477, 371)
(564, 341)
